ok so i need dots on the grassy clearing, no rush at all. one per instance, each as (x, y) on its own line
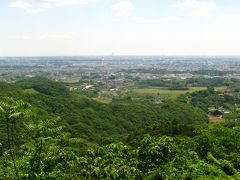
(30, 91)
(165, 91)
(221, 88)
(215, 119)
(162, 92)
(103, 100)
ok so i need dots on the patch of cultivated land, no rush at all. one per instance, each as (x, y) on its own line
(166, 92)
(215, 119)
(30, 91)
(161, 91)
(221, 88)
(103, 100)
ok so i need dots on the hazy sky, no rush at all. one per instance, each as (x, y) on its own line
(131, 27)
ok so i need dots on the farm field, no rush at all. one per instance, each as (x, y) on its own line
(221, 88)
(215, 119)
(30, 91)
(104, 100)
(161, 91)
(165, 91)
(171, 93)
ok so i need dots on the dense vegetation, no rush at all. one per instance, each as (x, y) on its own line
(93, 121)
(184, 84)
(47, 132)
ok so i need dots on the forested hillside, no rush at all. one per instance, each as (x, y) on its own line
(48, 132)
(93, 121)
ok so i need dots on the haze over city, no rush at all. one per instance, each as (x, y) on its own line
(119, 27)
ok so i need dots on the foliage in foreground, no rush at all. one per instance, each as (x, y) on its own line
(40, 149)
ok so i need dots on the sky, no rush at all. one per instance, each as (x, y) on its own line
(119, 27)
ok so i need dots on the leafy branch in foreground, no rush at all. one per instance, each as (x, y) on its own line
(33, 148)
(13, 112)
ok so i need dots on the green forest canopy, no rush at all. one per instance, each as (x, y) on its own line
(56, 134)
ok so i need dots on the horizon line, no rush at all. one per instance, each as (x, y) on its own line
(12, 56)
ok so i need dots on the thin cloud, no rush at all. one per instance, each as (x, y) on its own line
(123, 8)
(199, 8)
(20, 5)
(43, 5)
(191, 4)
(65, 2)
(27, 7)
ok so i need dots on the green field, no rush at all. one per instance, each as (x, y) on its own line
(171, 93)
(30, 91)
(221, 88)
(161, 91)
(165, 91)
(104, 100)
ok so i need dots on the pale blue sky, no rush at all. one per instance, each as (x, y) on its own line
(131, 27)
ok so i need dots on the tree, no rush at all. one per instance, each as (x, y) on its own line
(13, 112)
